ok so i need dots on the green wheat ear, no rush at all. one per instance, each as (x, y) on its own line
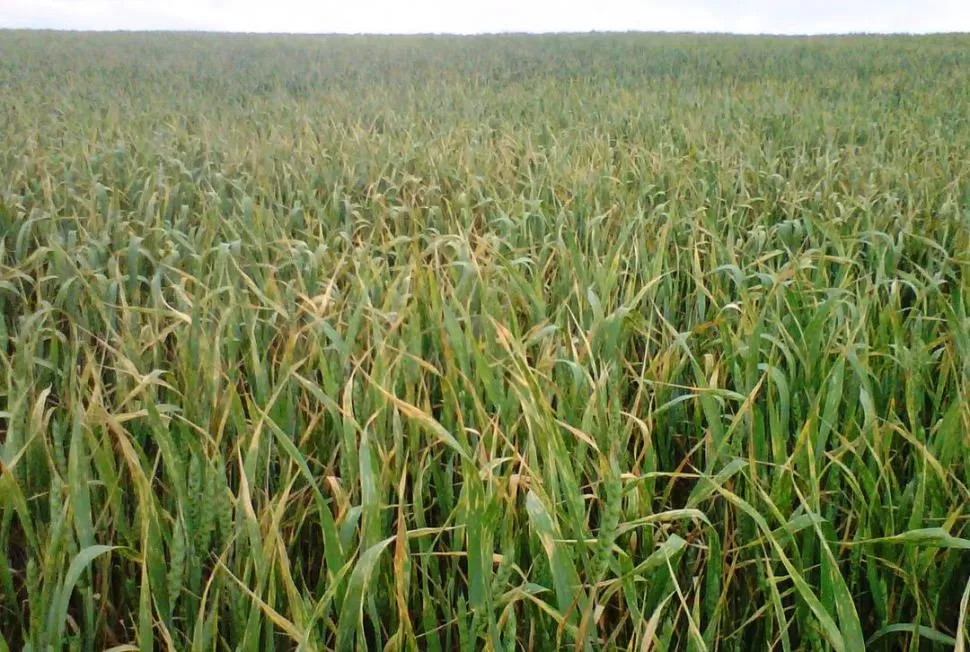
(611, 510)
(176, 562)
(34, 598)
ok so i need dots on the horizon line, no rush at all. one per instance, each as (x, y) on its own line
(605, 32)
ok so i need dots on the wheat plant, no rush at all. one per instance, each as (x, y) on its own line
(604, 342)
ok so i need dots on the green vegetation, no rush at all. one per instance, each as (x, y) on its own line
(594, 342)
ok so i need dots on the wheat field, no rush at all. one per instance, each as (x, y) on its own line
(600, 342)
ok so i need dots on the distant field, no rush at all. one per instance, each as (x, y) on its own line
(628, 342)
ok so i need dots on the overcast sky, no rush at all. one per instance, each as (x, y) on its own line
(470, 16)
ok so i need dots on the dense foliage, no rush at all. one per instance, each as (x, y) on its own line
(610, 341)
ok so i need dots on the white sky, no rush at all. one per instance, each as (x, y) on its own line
(409, 16)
